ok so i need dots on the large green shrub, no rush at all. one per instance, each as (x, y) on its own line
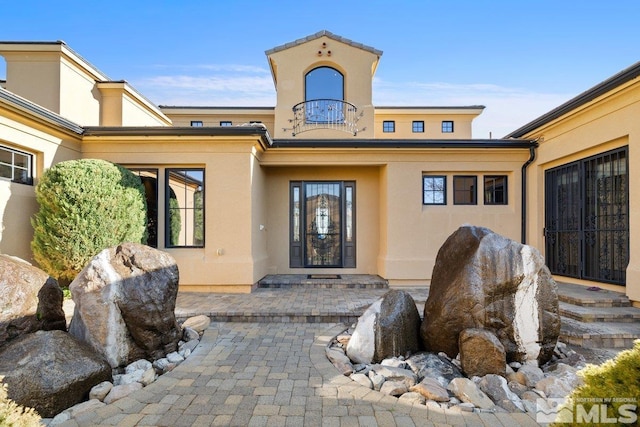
(14, 415)
(85, 206)
(610, 386)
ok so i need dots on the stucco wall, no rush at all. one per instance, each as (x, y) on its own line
(608, 122)
(367, 214)
(291, 66)
(17, 201)
(227, 260)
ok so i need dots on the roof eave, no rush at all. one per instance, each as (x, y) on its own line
(585, 97)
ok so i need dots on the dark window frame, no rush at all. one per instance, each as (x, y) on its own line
(168, 208)
(152, 217)
(425, 177)
(389, 126)
(27, 178)
(447, 126)
(491, 195)
(417, 126)
(226, 123)
(197, 123)
(473, 190)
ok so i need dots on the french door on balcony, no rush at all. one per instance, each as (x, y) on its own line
(322, 224)
(587, 218)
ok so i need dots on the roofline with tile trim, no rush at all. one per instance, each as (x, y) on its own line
(321, 34)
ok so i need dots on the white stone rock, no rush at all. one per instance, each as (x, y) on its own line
(120, 391)
(412, 398)
(362, 379)
(174, 357)
(391, 373)
(362, 346)
(555, 387)
(532, 374)
(394, 387)
(148, 377)
(197, 323)
(395, 362)
(431, 389)
(100, 391)
(467, 391)
(160, 365)
(140, 364)
(376, 379)
(124, 379)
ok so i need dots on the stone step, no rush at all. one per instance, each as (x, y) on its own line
(617, 335)
(324, 281)
(600, 314)
(591, 296)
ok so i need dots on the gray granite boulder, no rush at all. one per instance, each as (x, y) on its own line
(487, 281)
(389, 327)
(50, 371)
(30, 300)
(124, 304)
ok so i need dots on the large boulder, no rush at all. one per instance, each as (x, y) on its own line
(389, 327)
(50, 313)
(481, 353)
(50, 371)
(124, 304)
(30, 300)
(486, 281)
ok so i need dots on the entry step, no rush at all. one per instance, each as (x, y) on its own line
(600, 314)
(593, 296)
(322, 280)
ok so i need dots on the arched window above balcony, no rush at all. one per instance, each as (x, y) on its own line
(324, 83)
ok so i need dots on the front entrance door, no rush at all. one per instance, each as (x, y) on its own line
(322, 224)
(587, 218)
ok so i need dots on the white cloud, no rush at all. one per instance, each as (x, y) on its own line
(506, 109)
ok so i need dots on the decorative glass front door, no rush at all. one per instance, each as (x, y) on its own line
(322, 224)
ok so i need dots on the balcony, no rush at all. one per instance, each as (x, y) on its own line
(325, 114)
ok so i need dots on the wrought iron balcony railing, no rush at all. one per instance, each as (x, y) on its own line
(325, 114)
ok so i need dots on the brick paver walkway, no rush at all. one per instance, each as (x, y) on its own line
(272, 373)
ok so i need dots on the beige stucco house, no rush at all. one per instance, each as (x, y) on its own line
(323, 182)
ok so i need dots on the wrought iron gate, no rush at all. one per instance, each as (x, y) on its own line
(587, 218)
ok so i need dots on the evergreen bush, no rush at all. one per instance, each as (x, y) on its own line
(14, 415)
(610, 385)
(85, 206)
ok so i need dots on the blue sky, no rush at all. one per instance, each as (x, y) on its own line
(518, 58)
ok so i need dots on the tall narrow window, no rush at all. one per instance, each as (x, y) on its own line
(184, 191)
(16, 165)
(434, 190)
(149, 178)
(495, 190)
(464, 190)
(447, 126)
